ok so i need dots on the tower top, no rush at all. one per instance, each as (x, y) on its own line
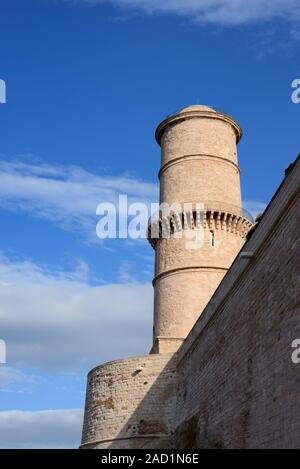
(197, 110)
(197, 107)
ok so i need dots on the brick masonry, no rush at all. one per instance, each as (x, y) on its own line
(237, 385)
(130, 403)
(231, 383)
(199, 165)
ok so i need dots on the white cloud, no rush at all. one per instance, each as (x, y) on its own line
(254, 208)
(66, 195)
(12, 272)
(40, 429)
(55, 320)
(10, 376)
(224, 12)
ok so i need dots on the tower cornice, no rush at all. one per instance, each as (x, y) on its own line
(197, 156)
(191, 114)
(235, 220)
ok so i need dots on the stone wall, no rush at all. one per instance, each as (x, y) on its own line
(199, 166)
(232, 383)
(237, 385)
(130, 403)
(186, 277)
(199, 159)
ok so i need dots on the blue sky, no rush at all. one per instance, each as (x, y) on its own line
(87, 83)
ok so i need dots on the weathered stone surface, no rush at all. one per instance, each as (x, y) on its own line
(231, 382)
(198, 165)
(130, 403)
(237, 385)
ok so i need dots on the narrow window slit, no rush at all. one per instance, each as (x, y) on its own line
(212, 238)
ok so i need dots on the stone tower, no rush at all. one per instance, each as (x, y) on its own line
(199, 167)
(132, 402)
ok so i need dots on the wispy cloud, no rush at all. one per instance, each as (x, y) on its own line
(57, 320)
(254, 208)
(10, 376)
(66, 195)
(40, 429)
(12, 271)
(220, 12)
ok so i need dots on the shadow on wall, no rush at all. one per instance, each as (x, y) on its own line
(143, 388)
(232, 384)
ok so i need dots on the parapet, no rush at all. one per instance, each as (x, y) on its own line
(191, 112)
(130, 403)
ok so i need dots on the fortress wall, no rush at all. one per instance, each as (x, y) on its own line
(128, 408)
(237, 385)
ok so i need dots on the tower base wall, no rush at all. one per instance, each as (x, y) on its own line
(130, 403)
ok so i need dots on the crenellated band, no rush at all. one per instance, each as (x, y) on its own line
(166, 226)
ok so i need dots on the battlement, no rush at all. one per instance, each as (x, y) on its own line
(238, 222)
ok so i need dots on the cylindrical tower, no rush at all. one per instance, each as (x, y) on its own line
(199, 167)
